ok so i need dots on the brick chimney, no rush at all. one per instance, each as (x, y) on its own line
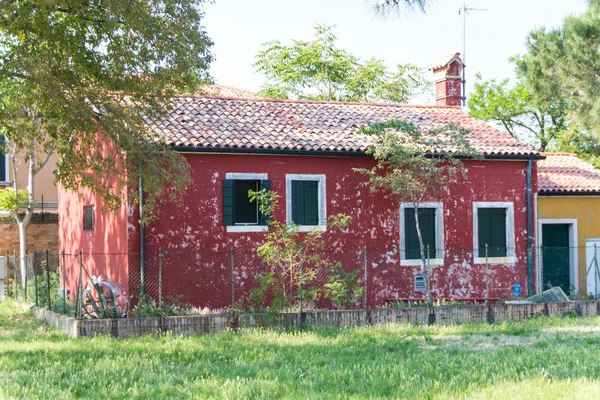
(448, 80)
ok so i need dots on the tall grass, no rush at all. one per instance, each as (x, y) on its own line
(541, 358)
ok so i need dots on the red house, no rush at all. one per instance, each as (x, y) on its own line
(306, 151)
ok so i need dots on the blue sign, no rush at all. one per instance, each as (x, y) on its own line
(517, 290)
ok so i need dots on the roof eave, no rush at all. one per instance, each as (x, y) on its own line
(566, 193)
(240, 150)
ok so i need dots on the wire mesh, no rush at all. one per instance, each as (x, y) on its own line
(231, 280)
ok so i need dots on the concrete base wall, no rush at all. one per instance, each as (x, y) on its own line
(210, 324)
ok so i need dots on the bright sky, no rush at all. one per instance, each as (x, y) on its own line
(239, 27)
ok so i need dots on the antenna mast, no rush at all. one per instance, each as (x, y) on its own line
(463, 11)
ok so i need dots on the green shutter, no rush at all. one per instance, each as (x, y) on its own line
(428, 232)
(265, 184)
(498, 234)
(305, 202)
(244, 210)
(3, 172)
(492, 231)
(228, 202)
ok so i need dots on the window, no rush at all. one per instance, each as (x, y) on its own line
(239, 213)
(432, 231)
(88, 218)
(493, 225)
(3, 161)
(305, 201)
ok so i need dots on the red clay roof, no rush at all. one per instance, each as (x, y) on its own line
(217, 89)
(566, 173)
(311, 126)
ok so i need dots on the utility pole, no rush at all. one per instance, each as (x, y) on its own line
(463, 11)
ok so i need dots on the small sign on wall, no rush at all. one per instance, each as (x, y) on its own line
(419, 283)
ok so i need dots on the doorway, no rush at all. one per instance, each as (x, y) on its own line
(557, 251)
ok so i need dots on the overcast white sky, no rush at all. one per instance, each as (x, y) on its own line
(239, 27)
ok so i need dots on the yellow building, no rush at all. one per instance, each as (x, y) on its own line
(568, 228)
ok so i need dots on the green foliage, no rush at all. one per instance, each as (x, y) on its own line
(293, 258)
(522, 113)
(343, 288)
(563, 66)
(82, 79)
(319, 70)
(104, 299)
(11, 201)
(412, 164)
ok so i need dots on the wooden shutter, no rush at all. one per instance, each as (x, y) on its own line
(88, 218)
(428, 232)
(228, 202)
(305, 202)
(266, 185)
(498, 233)
(492, 231)
(3, 171)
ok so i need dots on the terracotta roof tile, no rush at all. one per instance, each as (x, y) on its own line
(565, 172)
(217, 89)
(313, 126)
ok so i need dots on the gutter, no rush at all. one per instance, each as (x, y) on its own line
(329, 153)
(529, 232)
(142, 241)
(567, 193)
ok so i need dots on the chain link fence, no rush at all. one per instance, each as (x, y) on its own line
(218, 281)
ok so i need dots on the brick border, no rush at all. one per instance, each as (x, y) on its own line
(211, 324)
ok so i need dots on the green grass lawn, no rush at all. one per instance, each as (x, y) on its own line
(538, 359)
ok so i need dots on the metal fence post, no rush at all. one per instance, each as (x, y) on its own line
(595, 276)
(35, 279)
(366, 276)
(487, 273)
(16, 282)
(160, 262)
(232, 281)
(79, 288)
(48, 281)
(25, 277)
(300, 292)
(64, 288)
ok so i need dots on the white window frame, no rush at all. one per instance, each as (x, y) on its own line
(244, 176)
(321, 195)
(511, 257)
(439, 234)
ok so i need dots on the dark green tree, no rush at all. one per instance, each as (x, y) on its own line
(81, 79)
(521, 112)
(319, 70)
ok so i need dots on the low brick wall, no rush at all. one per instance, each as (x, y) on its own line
(210, 324)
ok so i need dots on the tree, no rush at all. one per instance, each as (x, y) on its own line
(294, 258)
(413, 165)
(82, 80)
(522, 113)
(319, 70)
(386, 7)
(563, 64)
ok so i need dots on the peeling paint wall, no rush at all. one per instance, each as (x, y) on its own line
(202, 272)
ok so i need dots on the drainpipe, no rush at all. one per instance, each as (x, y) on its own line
(529, 232)
(142, 242)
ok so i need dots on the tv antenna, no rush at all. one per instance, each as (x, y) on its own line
(463, 11)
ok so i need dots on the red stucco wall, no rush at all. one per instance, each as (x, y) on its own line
(201, 268)
(104, 251)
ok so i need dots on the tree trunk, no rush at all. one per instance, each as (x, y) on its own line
(423, 259)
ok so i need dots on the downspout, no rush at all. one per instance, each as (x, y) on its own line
(142, 242)
(529, 232)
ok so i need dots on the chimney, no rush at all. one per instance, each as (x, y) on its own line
(447, 72)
